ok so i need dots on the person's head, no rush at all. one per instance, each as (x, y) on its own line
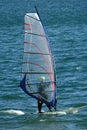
(42, 79)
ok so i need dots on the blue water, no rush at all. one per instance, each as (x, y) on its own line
(66, 24)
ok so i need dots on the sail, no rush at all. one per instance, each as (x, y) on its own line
(37, 61)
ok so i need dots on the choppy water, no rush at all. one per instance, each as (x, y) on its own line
(66, 25)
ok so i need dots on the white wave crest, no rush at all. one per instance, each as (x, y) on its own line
(16, 112)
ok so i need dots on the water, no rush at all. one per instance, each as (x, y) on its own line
(66, 26)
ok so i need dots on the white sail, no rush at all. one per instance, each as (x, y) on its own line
(37, 59)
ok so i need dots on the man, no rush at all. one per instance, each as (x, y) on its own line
(42, 94)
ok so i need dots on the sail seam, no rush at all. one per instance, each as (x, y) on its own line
(37, 53)
(39, 92)
(32, 17)
(35, 34)
(37, 73)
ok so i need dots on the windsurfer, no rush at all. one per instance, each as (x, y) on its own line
(41, 89)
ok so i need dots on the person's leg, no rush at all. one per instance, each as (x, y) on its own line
(49, 106)
(39, 106)
(55, 104)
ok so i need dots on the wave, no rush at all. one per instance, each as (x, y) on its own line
(11, 111)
